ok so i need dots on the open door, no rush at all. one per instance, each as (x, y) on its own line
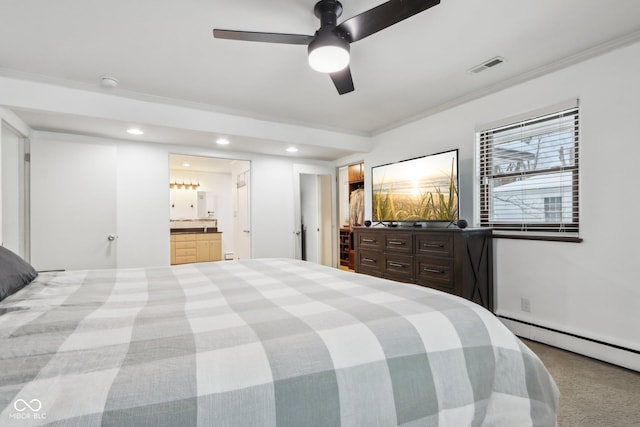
(242, 215)
(314, 216)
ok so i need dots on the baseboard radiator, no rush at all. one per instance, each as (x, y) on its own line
(611, 353)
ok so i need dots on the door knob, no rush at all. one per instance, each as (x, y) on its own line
(111, 237)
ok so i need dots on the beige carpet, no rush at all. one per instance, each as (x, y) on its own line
(592, 393)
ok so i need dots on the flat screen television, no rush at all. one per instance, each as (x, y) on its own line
(416, 190)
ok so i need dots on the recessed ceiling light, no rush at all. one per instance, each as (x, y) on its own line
(292, 150)
(135, 131)
(186, 165)
(108, 82)
(222, 141)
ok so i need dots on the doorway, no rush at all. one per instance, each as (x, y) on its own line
(350, 209)
(315, 230)
(209, 188)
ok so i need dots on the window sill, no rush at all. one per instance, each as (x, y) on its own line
(568, 239)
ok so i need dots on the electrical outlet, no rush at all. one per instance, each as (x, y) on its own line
(525, 305)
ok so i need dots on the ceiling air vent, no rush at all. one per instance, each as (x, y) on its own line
(487, 64)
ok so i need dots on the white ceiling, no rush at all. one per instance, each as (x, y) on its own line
(164, 50)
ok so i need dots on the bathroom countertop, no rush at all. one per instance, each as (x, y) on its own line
(197, 225)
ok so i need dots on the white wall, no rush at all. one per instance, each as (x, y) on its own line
(591, 288)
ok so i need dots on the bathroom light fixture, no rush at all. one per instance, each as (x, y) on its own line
(328, 52)
(182, 186)
(186, 165)
(292, 150)
(135, 131)
(222, 141)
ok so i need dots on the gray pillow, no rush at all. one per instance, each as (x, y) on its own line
(15, 273)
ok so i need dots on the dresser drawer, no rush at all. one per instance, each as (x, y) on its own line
(399, 267)
(398, 242)
(438, 244)
(370, 240)
(370, 262)
(184, 237)
(436, 272)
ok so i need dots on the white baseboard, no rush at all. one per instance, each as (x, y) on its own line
(586, 347)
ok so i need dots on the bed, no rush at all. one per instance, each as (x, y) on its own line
(264, 342)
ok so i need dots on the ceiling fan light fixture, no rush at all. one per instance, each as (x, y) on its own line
(328, 49)
(328, 53)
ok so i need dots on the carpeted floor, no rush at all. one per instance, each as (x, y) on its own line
(592, 393)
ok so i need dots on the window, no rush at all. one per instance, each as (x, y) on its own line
(528, 176)
(553, 209)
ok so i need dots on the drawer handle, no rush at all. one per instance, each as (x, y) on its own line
(433, 245)
(397, 264)
(369, 260)
(396, 242)
(433, 270)
(369, 240)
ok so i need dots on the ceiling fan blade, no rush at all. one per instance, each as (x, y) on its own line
(381, 17)
(252, 36)
(343, 81)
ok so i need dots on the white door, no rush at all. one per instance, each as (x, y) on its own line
(242, 226)
(325, 221)
(12, 192)
(322, 205)
(73, 205)
(309, 218)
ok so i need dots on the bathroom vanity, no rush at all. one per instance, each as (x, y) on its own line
(196, 240)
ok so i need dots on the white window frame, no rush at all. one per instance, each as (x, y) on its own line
(487, 174)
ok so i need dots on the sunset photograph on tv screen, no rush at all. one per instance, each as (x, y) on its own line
(420, 189)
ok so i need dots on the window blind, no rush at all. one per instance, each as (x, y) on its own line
(528, 175)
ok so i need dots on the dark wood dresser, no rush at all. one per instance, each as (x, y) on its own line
(448, 259)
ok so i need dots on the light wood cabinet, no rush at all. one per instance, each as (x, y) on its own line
(356, 172)
(208, 247)
(173, 249)
(196, 247)
(184, 248)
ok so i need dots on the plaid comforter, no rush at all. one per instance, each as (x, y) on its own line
(271, 342)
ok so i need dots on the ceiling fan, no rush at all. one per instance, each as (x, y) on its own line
(329, 46)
